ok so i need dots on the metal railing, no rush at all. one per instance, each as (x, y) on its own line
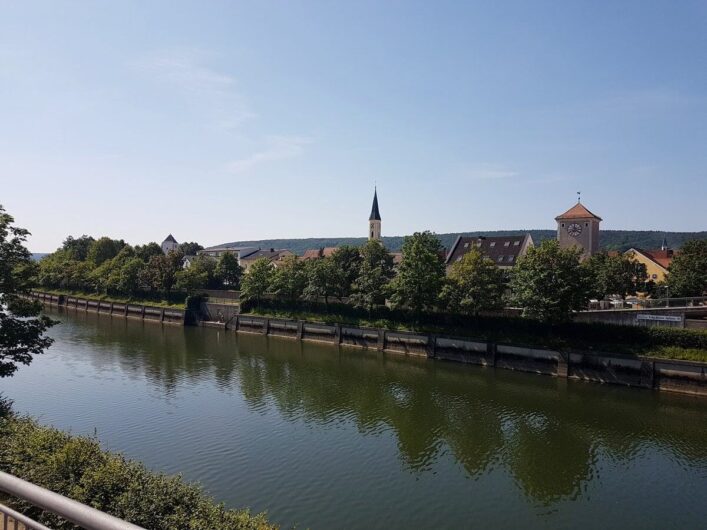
(649, 303)
(73, 511)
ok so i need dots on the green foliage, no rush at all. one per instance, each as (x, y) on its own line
(145, 252)
(374, 275)
(474, 284)
(688, 270)
(77, 248)
(421, 274)
(325, 279)
(290, 278)
(104, 249)
(76, 466)
(21, 328)
(549, 282)
(190, 249)
(228, 271)
(257, 282)
(613, 275)
(348, 260)
(201, 274)
(161, 272)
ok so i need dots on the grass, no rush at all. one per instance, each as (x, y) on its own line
(116, 298)
(509, 334)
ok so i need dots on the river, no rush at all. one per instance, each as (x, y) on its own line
(323, 437)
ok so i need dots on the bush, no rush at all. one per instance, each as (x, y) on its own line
(76, 466)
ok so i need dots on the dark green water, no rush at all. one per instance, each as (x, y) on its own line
(329, 438)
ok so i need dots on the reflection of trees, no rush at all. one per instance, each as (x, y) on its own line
(546, 432)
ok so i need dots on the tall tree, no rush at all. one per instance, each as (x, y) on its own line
(257, 282)
(324, 279)
(145, 252)
(290, 278)
(474, 284)
(613, 275)
(163, 270)
(548, 283)
(77, 248)
(190, 249)
(22, 329)
(687, 274)
(346, 259)
(374, 275)
(104, 249)
(421, 273)
(228, 271)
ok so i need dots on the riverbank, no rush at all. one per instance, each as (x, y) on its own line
(136, 300)
(77, 467)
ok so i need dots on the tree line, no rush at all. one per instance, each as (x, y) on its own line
(548, 283)
(111, 266)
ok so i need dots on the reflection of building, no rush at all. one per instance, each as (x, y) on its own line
(374, 220)
(503, 250)
(656, 261)
(578, 227)
(169, 244)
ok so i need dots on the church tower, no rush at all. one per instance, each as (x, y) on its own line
(374, 221)
(578, 227)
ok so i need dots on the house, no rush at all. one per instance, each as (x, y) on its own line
(169, 244)
(218, 251)
(503, 250)
(318, 253)
(188, 261)
(273, 255)
(656, 261)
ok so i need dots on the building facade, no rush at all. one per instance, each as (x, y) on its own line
(578, 227)
(169, 244)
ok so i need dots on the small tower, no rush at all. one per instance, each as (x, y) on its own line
(664, 245)
(169, 244)
(374, 221)
(578, 227)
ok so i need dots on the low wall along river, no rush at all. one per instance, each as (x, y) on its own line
(644, 372)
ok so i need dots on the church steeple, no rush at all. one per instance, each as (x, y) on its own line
(374, 220)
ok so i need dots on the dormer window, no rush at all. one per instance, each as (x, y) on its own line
(492, 244)
(516, 243)
(507, 244)
(466, 245)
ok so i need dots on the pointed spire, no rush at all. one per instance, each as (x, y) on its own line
(375, 214)
(664, 245)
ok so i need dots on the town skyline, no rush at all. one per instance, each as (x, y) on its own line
(252, 122)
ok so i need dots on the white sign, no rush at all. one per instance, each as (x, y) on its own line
(662, 318)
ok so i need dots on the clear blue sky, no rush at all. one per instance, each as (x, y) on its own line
(222, 121)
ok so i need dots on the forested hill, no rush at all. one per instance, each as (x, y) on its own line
(610, 240)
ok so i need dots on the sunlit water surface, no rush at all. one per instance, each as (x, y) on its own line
(323, 437)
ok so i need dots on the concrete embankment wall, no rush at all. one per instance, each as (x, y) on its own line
(661, 374)
(142, 312)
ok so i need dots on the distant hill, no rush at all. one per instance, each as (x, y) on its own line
(36, 256)
(610, 240)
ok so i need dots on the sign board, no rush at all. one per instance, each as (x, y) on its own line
(660, 318)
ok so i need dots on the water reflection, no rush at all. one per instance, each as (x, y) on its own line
(546, 433)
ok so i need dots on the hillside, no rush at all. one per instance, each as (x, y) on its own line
(610, 240)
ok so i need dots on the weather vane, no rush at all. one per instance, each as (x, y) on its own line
(579, 196)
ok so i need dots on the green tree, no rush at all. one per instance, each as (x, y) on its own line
(474, 284)
(190, 249)
(613, 275)
(128, 281)
(548, 283)
(201, 274)
(162, 271)
(421, 273)
(257, 281)
(324, 279)
(687, 274)
(22, 328)
(145, 252)
(375, 272)
(348, 260)
(104, 249)
(290, 278)
(228, 271)
(77, 248)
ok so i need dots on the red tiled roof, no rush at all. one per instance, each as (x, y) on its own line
(578, 211)
(503, 250)
(662, 257)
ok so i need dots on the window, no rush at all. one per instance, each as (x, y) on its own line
(510, 259)
(507, 244)
(459, 258)
(466, 245)
(500, 259)
(654, 276)
(492, 244)
(478, 243)
(516, 243)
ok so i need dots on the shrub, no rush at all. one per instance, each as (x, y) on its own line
(76, 466)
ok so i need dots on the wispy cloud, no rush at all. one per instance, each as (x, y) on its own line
(215, 93)
(276, 148)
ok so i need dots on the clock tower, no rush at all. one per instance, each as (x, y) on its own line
(578, 227)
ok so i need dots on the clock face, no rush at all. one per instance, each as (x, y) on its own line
(574, 229)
